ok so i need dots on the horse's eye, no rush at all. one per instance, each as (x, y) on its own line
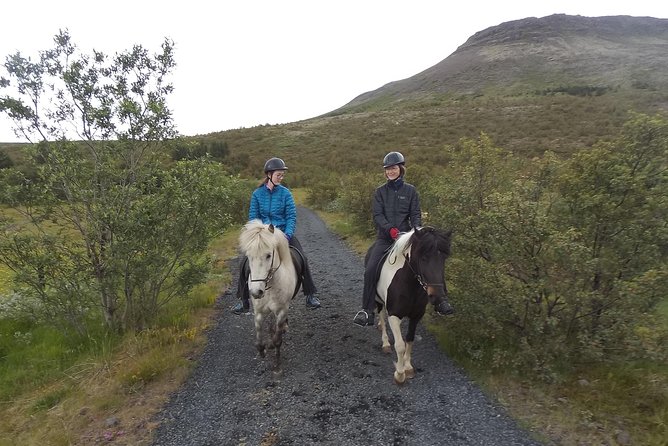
(268, 256)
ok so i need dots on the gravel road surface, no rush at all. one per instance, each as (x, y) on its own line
(335, 387)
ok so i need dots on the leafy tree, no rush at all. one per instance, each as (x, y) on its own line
(5, 160)
(355, 199)
(614, 199)
(102, 202)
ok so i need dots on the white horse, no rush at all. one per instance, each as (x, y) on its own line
(273, 281)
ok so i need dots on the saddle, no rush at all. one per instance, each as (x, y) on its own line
(379, 266)
(299, 261)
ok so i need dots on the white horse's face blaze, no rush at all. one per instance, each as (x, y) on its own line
(260, 270)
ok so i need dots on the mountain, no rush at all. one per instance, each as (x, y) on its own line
(549, 52)
(558, 83)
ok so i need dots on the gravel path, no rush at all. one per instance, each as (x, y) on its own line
(336, 384)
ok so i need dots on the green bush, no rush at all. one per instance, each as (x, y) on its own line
(355, 199)
(568, 257)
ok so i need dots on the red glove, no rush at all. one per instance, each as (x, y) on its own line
(394, 233)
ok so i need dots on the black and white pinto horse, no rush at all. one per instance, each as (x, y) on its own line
(275, 278)
(411, 275)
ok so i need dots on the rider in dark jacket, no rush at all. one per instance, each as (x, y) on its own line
(272, 203)
(396, 209)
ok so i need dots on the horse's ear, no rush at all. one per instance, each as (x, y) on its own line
(421, 230)
(271, 228)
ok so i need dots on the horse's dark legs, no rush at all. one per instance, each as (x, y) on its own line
(410, 337)
(412, 327)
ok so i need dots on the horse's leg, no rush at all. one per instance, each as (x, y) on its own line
(400, 348)
(277, 338)
(408, 367)
(410, 337)
(258, 334)
(387, 348)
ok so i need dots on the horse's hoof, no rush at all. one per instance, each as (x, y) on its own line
(399, 378)
(410, 373)
(387, 349)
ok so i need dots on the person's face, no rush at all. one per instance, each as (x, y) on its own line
(392, 172)
(277, 176)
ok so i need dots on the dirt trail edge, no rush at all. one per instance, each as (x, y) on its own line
(336, 384)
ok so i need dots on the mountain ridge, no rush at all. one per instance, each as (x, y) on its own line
(534, 53)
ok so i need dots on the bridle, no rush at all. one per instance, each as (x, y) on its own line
(270, 273)
(419, 278)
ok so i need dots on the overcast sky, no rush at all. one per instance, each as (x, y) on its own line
(243, 63)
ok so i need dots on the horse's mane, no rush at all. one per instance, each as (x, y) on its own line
(403, 244)
(256, 238)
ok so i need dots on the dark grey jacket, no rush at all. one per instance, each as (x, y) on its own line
(396, 207)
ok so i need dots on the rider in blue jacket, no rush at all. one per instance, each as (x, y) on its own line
(273, 203)
(396, 209)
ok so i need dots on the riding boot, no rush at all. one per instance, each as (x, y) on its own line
(242, 307)
(443, 307)
(364, 318)
(312, 301)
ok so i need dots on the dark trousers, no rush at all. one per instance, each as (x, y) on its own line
(373, 257)
(308, 286)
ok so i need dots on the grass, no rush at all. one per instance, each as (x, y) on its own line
(592, 404)
(600, 404)
(57, 392)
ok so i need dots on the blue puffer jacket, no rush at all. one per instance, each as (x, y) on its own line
(274, 206)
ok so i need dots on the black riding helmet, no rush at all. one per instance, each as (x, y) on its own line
(274, 164)
(392, 159)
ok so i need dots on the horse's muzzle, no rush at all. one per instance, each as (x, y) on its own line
(435, 291)
(257, 294)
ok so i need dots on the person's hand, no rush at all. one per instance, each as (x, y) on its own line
(394, 233)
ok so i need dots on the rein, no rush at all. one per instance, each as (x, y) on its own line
(270, 273)
(419, 278)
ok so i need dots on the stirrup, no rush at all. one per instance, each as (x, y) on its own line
(363, 318)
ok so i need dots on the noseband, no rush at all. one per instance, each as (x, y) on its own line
(270, 273)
